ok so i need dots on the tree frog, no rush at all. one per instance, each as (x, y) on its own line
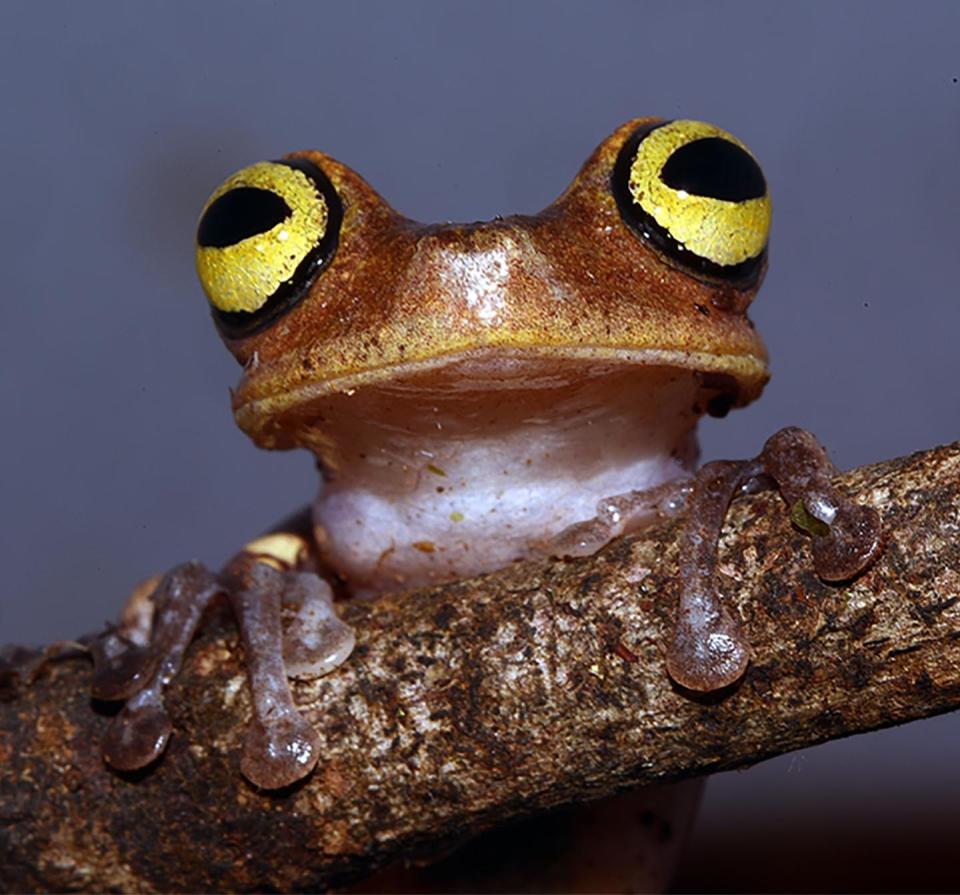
(476, 394)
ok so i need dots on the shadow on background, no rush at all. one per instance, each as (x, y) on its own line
(842, 854)
(882, 856)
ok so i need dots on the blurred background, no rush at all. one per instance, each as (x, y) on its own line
(119, 456)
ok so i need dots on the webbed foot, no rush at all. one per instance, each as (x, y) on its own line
(708, 651)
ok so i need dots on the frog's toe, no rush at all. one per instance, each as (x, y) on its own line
(847, 537)
(854, 541)
(279, 752)
(316, 641)
(139, 734)
(707, 651)
(281, 746)
(119, 670)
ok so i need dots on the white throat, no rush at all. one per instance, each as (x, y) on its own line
(427, 485)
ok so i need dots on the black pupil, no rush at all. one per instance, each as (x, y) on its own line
(239, 214)
(716, 168)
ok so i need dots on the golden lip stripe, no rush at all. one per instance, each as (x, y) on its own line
(721, 231)
(243, 276)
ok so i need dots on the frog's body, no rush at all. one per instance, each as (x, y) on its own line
(471, 391)
(478, 394)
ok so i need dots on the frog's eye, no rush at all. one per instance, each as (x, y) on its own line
(263, 237)
(697, 195)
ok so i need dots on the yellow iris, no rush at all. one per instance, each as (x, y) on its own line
(723, 231)
(242, 276)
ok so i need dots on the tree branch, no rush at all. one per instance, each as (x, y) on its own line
(469, 704)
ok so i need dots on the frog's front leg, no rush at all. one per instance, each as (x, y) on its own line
(708, 650)
(271, 574)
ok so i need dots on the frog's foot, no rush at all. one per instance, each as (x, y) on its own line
(708, 650)
(280, 746)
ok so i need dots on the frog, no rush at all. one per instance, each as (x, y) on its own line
(521, 389)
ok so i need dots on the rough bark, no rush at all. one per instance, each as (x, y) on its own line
(470, 704)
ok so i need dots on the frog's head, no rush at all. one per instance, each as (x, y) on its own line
(648, 260)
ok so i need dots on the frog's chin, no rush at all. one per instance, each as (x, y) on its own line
(281, 411)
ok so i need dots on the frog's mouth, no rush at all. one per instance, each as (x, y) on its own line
(281, 407)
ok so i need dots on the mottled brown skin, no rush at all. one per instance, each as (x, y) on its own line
(383, 309)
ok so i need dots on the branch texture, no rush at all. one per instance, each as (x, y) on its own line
(467, 705)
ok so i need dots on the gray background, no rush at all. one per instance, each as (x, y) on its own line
(119, 456)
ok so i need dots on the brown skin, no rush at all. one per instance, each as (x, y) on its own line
(388, 305)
